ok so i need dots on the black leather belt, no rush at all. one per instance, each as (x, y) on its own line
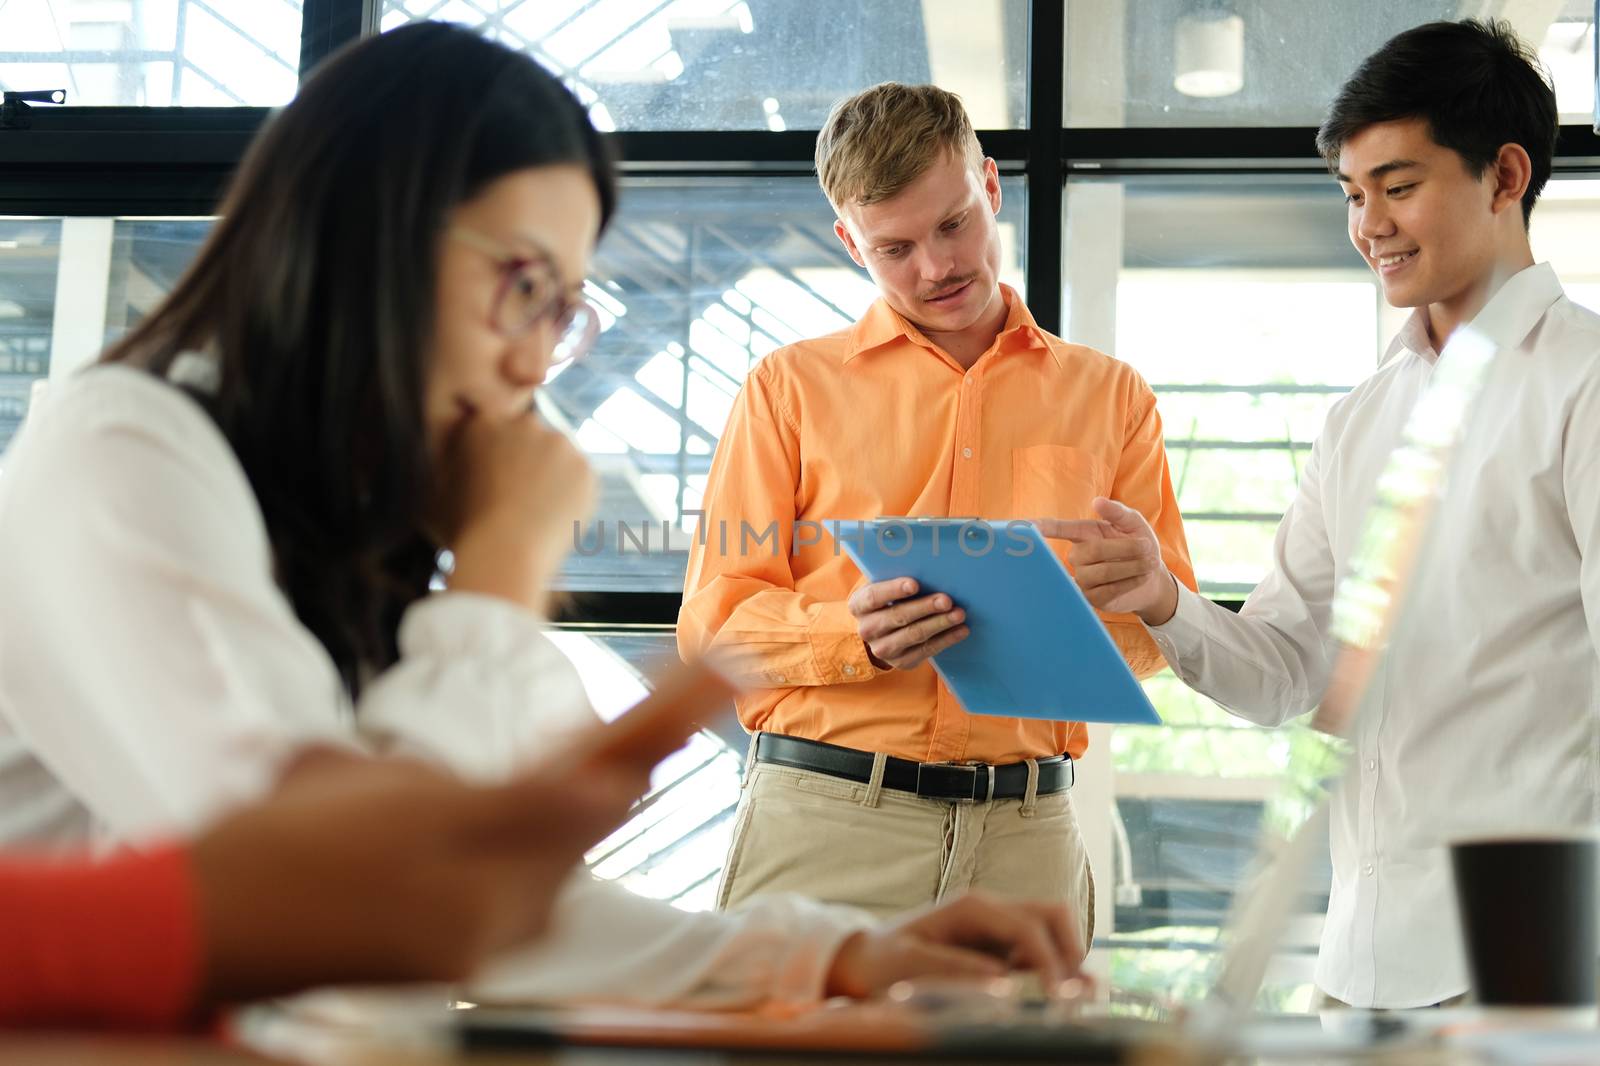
(932, 780)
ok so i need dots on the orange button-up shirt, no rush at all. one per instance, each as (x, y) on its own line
(877, 420)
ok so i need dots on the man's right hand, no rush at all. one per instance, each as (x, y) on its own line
(901, 632)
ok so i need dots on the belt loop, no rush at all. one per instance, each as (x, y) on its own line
(875, 783)
(749, 761)
(1030, 798)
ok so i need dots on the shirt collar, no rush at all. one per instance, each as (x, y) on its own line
(883, 325)
(1506, 320)
(1518, 305)
(1413, 337)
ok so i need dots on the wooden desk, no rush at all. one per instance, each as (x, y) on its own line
(415, 1038)
(74, 1050)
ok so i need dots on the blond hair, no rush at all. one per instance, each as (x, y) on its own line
(880, 140)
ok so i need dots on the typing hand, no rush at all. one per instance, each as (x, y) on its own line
(973, 936)
(900, 632)
(1116, 560)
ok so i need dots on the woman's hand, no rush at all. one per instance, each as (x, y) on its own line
(974, 936)
(361, 869)
(519, 492)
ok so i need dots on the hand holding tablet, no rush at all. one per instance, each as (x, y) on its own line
(1035, 648)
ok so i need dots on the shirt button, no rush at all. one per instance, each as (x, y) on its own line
(1367, 869)
(966, 453)
(1372, 764)
(779, 678)
(849, 671)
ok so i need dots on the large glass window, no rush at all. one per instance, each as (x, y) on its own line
(69, 287)
(697, 280)
(754, 64)
(1243, 305)
(672, 849)
(1238, 63)
(1241, 302)
(29, 259)
(153, 53)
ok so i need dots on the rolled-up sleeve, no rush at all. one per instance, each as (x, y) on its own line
(739, 595)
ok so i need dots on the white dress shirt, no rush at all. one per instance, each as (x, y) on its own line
(1487, 714)
(153, 674)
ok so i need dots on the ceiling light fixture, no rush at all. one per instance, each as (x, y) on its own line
(1208, 57)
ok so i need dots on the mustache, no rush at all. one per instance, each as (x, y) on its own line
(946, 287)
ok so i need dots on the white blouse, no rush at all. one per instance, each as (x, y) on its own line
(153, 674)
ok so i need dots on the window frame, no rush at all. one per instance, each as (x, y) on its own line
(97, 161)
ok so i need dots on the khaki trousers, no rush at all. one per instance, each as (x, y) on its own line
(888, 852)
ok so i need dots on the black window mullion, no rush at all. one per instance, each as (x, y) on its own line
(712, 151)
(580, 608)
(687, 152)
(1243, 149)
(1046, 69)
(79, 161)
(328, 25)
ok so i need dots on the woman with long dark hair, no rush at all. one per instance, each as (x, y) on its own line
(218, 544)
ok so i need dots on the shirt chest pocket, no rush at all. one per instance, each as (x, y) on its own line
(1056, 481)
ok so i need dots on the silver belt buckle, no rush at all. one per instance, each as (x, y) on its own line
(990, 797)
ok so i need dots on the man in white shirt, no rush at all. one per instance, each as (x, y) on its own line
(1485, 715)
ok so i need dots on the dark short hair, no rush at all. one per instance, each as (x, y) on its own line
(1476, 84)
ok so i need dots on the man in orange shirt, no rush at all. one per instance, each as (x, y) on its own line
(945, 399)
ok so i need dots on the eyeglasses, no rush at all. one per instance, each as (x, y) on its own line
(531, 292)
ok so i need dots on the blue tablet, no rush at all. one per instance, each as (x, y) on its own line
(1035, 649)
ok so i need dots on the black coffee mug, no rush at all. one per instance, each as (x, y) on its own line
(1528, 917)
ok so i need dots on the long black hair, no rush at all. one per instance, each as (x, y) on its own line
(315, 290)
